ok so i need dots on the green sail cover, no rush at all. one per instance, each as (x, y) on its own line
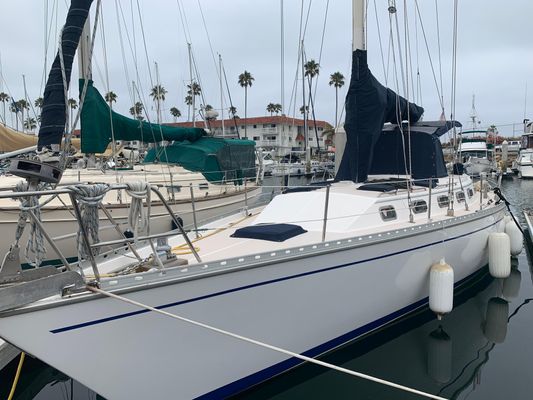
(96, 126)
(219, 160)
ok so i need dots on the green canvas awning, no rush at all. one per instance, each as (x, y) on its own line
(96, 130)
(219, 160)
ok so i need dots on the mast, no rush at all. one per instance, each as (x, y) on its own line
(193, 95)
(358, 43)
(281, 137)
(306, 130)
(283, 60)
(221, 94)
(473, 113)
(83, 51)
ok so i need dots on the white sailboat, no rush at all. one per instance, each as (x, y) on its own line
(182, 187)
(308, 272)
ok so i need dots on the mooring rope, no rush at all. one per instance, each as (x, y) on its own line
(138, 215)
(89, 198)
(35, 243)
(266, 345)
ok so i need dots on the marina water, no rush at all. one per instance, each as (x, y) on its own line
(482, 350)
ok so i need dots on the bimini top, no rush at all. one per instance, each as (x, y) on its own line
(427, 160)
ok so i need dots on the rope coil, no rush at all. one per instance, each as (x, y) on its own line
(89, 197)
(35, 248)
(138, 216)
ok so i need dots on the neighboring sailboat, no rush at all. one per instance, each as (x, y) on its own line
(191, 167)
(308, 272)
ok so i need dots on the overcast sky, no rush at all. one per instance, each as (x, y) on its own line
(494, 62)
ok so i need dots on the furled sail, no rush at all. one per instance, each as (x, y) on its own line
(369, 105)
(97, 131)
(53, 116)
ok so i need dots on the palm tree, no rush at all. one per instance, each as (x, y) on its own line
(208, 107)
(22, 105)
(72, 104)
(312, 69)
(137, 110)
(158, 94)
(4, 97)
(111, 97)
(14, 108)
(188, 101)
(336, 80)
(232, 110)
(271, 108)
(39, 101)
(278, 108)
(175, 113)
(30, 123)
(194, 90)
(245, 80)
(304, 109)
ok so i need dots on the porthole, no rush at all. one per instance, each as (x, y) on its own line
(388, 213)
(460, 196)
(419, 206)
(443, 201)
(470, 192)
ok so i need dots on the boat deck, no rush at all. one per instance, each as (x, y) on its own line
(351, 213)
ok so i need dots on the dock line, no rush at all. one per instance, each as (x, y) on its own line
(268, 346)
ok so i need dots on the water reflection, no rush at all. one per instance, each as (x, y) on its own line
(441, 357)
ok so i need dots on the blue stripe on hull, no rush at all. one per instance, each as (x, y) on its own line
(269, 282)
(276, 369)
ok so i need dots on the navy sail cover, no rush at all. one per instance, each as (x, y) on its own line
(53, 116)
(427, 159)
(369, 105)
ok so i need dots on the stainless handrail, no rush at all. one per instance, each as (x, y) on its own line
(193, 206)
(177, 223)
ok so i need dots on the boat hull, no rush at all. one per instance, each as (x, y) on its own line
(476, 166)
(525, 171)
(308, 304)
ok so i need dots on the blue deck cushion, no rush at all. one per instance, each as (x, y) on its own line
(271, 232)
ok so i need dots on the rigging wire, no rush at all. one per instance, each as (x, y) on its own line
(230, 101)
(321, 45)
(380, 44)
(439, 91)
(106, 70)
(124, 63)
(440, 61)
(453, 93)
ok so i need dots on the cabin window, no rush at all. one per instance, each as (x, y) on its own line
(470, 192)
(388, 213)
(443, 201)
(203, 186)
(460, 196)
(174, 189)
(419, 206)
